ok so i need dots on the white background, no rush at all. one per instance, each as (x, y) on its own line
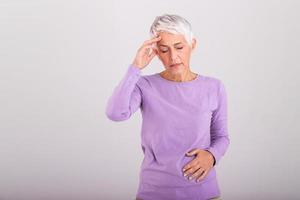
(60, 61)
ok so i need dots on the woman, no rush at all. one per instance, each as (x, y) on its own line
(184, 127)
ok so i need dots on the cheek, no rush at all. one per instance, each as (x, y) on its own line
(164, 57)
(185, 55)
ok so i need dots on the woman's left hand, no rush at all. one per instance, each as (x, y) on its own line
(200, 166)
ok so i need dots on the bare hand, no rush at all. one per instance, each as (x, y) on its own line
(143, 56)
(200, 166)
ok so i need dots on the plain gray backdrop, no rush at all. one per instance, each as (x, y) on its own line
(60, 61)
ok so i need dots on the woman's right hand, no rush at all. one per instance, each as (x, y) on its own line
(143, 58)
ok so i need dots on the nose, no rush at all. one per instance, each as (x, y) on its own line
(173, 55)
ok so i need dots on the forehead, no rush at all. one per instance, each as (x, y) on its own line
(169, 39)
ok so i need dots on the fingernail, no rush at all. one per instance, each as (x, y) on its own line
(190, 178)
(184, 175)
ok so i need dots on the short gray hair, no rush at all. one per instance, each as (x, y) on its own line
(173, 24)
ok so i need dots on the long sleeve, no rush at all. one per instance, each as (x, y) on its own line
(218, 129)
(126, 97)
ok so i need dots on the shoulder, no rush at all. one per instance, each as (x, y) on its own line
(213, 82)
(146, 80)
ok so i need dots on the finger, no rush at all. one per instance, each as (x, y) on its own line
(192, 152)
(197, 173)
(186, 168)
(190, 164)
(155, 39)
(202, 176)
(148, 50)
(153, 53)
(191, 170)
(147, 46)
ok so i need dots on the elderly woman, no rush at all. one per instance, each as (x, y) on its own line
(184, 128)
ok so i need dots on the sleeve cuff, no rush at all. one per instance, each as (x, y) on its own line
(134, 69)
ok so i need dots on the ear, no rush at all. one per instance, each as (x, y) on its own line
(194, 42)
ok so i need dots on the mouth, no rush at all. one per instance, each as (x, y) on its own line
(175, 64)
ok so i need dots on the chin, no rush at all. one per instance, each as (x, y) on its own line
(176, 70)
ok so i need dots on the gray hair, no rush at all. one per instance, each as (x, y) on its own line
(172, 24)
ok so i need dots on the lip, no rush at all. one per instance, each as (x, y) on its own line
(174, 65)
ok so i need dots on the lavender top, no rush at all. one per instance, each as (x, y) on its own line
(176, 118)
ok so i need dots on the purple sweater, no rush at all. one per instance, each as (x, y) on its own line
(176, 118)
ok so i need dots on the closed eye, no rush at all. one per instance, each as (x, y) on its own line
(176, 48)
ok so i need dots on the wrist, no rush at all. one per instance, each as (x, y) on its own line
(211, 157)
(136, 65)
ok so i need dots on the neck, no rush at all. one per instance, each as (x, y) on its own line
(186, 75)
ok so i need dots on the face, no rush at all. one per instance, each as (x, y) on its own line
(174, 49)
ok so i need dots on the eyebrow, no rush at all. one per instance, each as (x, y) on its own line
(167, 45)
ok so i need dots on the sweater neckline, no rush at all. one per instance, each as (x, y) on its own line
(179, 82)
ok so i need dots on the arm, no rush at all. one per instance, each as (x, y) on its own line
(218, 128)
(126, 97)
